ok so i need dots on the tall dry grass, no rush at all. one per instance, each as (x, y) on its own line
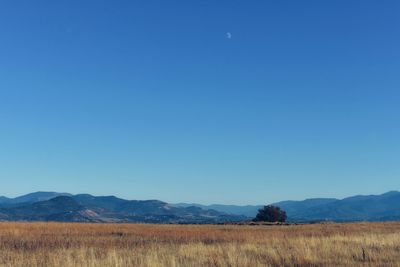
(64, 244)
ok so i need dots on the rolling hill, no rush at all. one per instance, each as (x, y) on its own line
(53, 206)
(246, 210)
(384, 207)
(88, 208)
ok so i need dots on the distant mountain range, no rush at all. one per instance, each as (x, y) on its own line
(247, 210)
(32, 197)
(53, 206)
(385, 207)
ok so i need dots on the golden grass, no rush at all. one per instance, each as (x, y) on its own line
(67, 244)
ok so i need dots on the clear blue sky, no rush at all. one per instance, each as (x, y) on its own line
(243, 102)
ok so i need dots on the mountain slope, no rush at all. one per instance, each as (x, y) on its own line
(357, 208)
(32, 197)
(383, 207)
(150, 210)
(88, 208)
(294, 207)
(61, 208)
(247, 210)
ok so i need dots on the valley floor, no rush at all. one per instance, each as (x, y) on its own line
(68, 244)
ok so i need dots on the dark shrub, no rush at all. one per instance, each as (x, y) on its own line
(270, 214)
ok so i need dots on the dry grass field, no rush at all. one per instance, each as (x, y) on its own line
(63, 244)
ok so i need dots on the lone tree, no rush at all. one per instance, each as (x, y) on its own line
(270, 214)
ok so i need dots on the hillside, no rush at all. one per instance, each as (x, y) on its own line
(246, 210)
(385, 207)
(88, 208)
(53, 206)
